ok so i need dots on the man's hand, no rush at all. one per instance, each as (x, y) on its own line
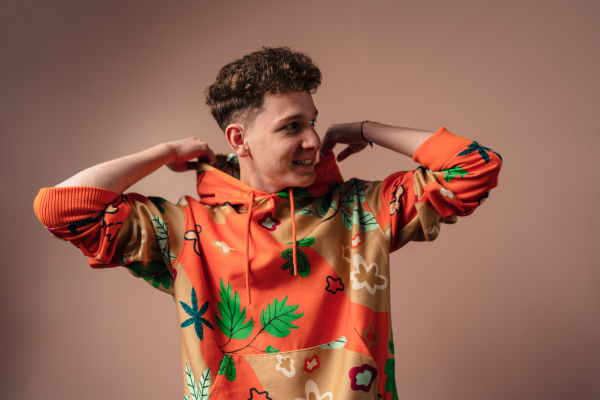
(402, 140)
(345, 134)
(119, 174)
(184, 150)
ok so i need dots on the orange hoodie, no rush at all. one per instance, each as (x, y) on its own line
(280, 295)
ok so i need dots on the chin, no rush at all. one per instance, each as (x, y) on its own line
(305, 181)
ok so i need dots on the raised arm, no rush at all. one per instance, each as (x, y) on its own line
(119, 174)
(144, 234)
(401, 140)
(455, 177)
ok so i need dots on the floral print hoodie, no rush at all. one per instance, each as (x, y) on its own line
(279, 295)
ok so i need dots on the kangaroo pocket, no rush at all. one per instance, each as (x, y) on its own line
(342, 369)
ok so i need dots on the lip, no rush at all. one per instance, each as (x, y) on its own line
(312, 162)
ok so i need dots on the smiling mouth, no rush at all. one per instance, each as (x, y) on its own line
(303, 162)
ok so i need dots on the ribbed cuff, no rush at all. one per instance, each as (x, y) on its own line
(58, 206)
(441, 147)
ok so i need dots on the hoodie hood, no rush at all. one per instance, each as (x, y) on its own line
(222, 186)
(217, 186)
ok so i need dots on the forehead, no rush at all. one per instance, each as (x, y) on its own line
(277, 106)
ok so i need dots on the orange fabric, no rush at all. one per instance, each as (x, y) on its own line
(250, 205)
(318, 322)
(294, 244)
(433, 156)
(58, 206)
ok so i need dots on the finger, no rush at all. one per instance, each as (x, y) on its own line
(192, 165)
(327, 144)
(207, 156)
(182, 166)
(344, 154)
(205, 159)
(179, 166)
(212, 158)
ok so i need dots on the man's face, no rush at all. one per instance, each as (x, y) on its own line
(282, 143)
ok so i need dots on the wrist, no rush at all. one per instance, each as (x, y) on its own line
(361, 132)
(163, 153)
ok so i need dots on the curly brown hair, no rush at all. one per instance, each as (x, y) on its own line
(237, 93)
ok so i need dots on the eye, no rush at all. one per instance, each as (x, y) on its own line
(291, 127)
(313, 122)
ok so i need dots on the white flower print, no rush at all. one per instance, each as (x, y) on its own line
(286, 365)
(367, 276)
(312, 392)
(223, 247)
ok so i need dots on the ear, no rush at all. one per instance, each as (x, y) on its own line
(236, 136)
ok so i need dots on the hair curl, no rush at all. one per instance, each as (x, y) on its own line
(237, 93)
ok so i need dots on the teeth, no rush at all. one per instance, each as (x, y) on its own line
(305, 162)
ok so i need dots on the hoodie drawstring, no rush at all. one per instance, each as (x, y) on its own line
(294, 246)
(250, 204)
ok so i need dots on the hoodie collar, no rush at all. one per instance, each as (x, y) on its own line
(222, 184)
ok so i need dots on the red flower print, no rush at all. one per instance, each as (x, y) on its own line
(356, 241)
(310, 364)
(268, 222)
(361, 378)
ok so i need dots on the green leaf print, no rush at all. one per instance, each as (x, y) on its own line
(271, 350)
(277, 319)
(199, 391)
(191, 381)
(228, 368)
(232, 319)
(324, 204)
(164, 278)
(336, 344)
(306, 242)
(162, 237)
(298, 193)
(302, 259)
(453, 172)
(301, 193)
(352, 209)
(318, 208)
(390, 382)
(306, 211)
(229, 164)
(146, 269)
(347, 219)
(185, 397)
(366, 220)
(355, 196)
(157, 201)
(203, 384)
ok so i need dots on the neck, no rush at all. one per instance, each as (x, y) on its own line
(255, 182)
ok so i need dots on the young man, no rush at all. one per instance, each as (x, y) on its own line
(281, 269)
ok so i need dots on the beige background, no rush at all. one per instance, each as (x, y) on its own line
(504, 305)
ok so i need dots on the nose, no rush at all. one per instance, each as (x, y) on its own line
(311, 139)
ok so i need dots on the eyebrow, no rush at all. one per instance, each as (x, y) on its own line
(293, 117)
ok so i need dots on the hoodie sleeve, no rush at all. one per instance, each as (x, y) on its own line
(130, 230)
(455, 177)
